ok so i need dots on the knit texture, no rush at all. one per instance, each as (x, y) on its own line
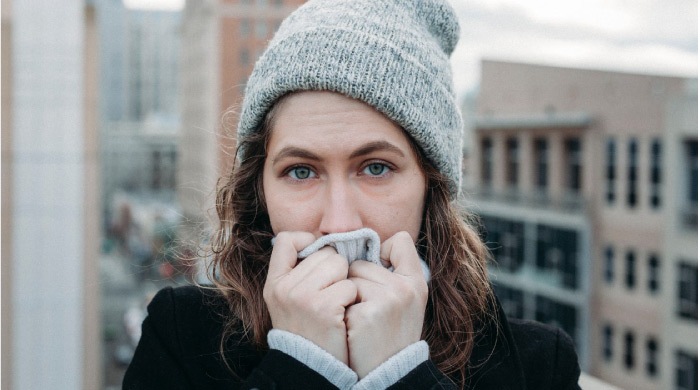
(391, 54)
(355, 245)
(395, 368)
(361, 244)
(315, 357)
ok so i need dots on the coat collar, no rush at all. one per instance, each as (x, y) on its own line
(494, 362)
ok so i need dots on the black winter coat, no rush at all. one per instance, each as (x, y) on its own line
(180, 349)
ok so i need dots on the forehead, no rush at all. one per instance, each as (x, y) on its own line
(320, 118)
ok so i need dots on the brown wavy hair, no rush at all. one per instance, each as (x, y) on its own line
(460, 295)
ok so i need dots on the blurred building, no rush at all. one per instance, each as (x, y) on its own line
(140, 101)
(586, 182)
(112, 30)
(222, 39)
(50, 223)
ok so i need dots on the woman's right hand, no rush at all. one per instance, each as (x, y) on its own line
(309, 298)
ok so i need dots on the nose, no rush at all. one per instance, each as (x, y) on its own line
(340, 209)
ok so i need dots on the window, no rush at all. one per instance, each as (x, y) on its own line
(511, 300)
(156, 174)
(512, 162)
(610, 171)
(244, 57)
(557, 254)
(609, 266)
(541, 157)
(688, 291)
(655, 174)
(686, 371)
(652, 357)
(653, 276)
(691, 153)
(608, 342)
(629, 350)
(556, 313)
(632, 173)
(572, 148)
(689, 212)
(630, 268)
(486, 161)
(506, 240)
(261, 29)
(244, 28)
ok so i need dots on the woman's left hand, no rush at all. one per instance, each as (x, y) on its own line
(388, 315)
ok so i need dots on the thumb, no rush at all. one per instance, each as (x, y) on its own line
(400, 252)
(284, 252)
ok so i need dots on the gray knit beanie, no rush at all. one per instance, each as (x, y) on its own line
(390, 54)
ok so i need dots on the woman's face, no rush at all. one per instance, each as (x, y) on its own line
(334, 164)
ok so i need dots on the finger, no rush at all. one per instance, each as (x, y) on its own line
(284, 252)
(343, 292)
(400, 251)
(368, 270)
(366, 289)
(321, 269)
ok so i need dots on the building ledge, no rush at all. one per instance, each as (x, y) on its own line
(567, 202)
(592, 383)
(534, 121)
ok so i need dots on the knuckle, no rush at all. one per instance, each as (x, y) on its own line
(284, 237)
(404, 235)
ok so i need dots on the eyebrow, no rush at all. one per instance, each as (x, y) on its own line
(297, 152)
(293, 151)
(375, 147)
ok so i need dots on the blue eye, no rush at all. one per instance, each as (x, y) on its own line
(301, 173)
(375, 169)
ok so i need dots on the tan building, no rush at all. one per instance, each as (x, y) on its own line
(584, 181)
(50, 193)
(221, 41)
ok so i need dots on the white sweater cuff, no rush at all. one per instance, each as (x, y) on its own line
(313, 356)
(395, 368)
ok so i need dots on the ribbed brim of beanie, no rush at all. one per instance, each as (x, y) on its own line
(392, 55)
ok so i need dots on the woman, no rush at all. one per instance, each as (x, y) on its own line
(349, 148)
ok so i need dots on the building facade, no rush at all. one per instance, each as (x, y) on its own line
(584, 182)
(222, 39)
(50, 224)
(140, 102)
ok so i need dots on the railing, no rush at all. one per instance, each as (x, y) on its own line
(569, 202)
(588, 382)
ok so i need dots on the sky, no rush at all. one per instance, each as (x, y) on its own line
(638, 36)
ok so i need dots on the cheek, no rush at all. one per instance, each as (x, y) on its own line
(402, 214)
(286, 213)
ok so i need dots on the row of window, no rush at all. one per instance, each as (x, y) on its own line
(687, 278)
(245, 57)
(688, 172)
(653, 264)
(573, 167)
(628, 354)
(543, 309)
(541, 152)
(263, 27)
(554, 249)
(632, 170)
(687, 291)
(686, 363)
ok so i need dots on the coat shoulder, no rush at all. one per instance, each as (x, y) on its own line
(184, 333)
(547, 354)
